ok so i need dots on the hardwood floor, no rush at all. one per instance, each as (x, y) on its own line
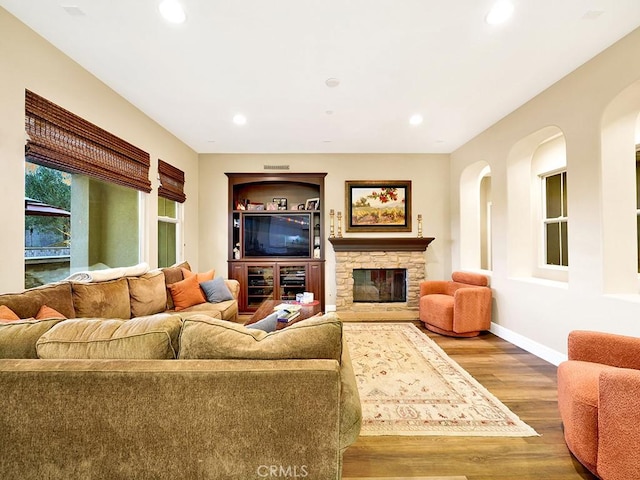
(523, 382)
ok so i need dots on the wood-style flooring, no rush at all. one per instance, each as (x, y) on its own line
(524, 383)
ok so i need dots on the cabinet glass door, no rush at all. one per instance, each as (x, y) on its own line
(259, 285)
(292, 280)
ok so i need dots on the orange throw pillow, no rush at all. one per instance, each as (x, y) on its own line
(186, 293)
(202, 277)
(46, 313)
(7, 315)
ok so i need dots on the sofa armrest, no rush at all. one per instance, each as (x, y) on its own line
(618, 419)
(430, 287)
(350, 406)
(233, 286)
(472, 309)
(605, 348)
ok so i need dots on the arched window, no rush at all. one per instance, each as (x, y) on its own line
(620, 199)
(475, 217)
(537, 206)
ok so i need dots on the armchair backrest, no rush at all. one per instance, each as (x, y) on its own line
(465, 280)
(469, 278)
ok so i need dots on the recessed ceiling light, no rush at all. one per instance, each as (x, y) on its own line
(239, 119)
(416, 119)
(500, 12)
(332, 82)
(172, 11)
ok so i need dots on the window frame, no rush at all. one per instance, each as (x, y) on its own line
(179, 223)
(563, 219)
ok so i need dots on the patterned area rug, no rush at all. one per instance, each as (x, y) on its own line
(409, 386)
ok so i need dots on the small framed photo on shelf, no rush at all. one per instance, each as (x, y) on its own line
(282, 203)
(272, 205)
(312, 204)
(255, 206)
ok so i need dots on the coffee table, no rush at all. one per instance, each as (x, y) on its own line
(266, 308)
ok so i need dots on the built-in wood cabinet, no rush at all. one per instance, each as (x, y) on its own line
(276, 229)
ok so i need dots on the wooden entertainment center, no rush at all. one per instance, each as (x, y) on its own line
(276, 232)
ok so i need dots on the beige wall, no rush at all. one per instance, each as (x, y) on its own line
(430, 191)
(29, 62)
(539, 314)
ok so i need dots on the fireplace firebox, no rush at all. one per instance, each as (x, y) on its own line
(379, 285)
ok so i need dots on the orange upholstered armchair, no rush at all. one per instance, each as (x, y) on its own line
(458, 308)
(599, 402)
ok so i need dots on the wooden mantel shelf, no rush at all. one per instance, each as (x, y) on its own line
(378, 244)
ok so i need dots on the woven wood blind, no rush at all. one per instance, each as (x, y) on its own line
(62, 140)
(171, 182)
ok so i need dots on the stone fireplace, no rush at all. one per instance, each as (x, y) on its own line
(407, 254)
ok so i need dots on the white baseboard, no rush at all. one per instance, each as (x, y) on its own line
(552, 356)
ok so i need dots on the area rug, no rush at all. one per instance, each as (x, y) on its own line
(410, 386)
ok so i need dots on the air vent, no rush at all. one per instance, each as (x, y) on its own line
(276, 167)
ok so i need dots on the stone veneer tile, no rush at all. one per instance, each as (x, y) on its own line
(413, 262)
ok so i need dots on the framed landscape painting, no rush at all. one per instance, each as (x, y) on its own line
(378, 206)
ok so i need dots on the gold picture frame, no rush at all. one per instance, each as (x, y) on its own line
(378, 205)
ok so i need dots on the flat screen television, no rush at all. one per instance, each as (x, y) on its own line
(277, 235)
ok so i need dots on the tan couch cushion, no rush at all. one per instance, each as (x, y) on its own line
(102, 299)
(90, 338)
(18, 339)
(148, 294)
(315, 338)
(26, 304)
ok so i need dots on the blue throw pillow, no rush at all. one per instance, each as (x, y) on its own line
(216, 290)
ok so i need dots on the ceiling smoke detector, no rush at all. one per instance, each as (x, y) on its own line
(332, 82)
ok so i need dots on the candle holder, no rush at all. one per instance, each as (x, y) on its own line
(339, 224)
(419, 225)
(331, 234)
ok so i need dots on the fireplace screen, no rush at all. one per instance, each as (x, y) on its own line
(379, 285)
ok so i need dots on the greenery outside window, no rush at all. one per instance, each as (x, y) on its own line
(75, 222)
(555, 219)
(88, 178)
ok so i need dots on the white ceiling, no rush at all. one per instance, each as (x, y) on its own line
(269, 59)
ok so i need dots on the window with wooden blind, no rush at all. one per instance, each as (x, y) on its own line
(64, 141)
(84, 189)
(170, 197)
(171, 182)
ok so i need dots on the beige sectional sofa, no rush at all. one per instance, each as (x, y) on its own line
(185, 394)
